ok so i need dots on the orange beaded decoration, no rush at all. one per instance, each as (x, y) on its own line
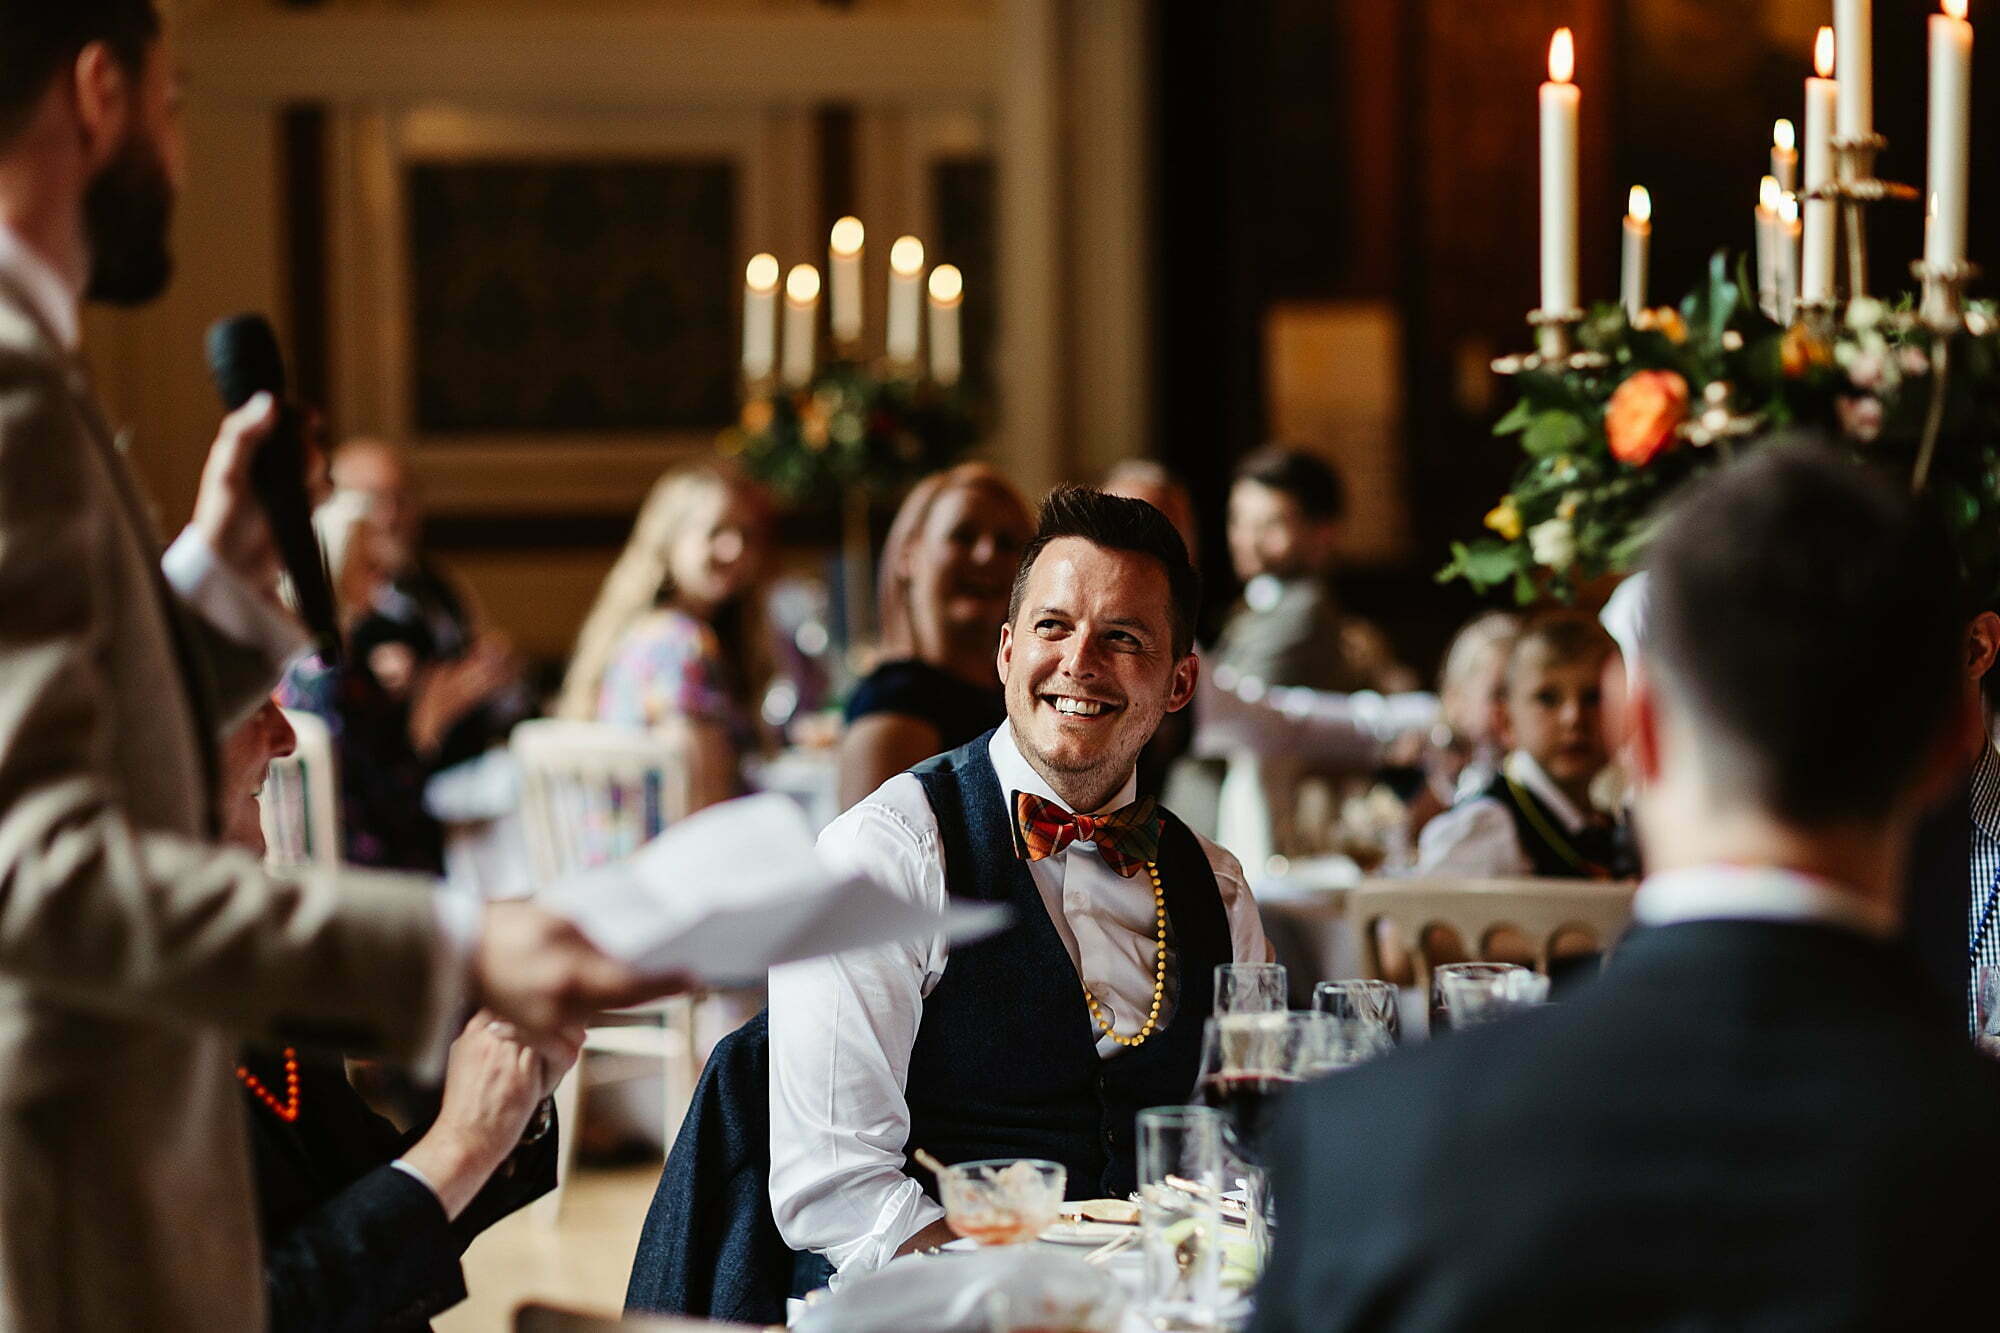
(287, 1110)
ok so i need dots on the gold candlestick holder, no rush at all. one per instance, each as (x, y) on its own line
(1854, 187)
(1942, 307)
(1555, 346)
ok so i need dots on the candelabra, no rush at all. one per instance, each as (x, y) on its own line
(1555, 346)
(1855, 186)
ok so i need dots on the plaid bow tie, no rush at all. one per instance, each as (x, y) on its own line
(1126, 838)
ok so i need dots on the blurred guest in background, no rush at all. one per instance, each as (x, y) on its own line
(388, 707)
(417, 601)
(670, 643)
(1472, 693)
(1760, 1117)
(1535, 816)
(363, 1225)
(946, 569)
(1144, 479)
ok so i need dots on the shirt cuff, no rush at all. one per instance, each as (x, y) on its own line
(419, 1177)
(459, 914)
(906, 1211)
(221, 597)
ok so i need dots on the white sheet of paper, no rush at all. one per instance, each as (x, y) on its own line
(739, 888)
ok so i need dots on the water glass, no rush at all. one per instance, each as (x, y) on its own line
(1180, 1189)
(1986, 1010)
(1250, 988)
(1364, 1007)
(1440, 1016)
(1473, 1000)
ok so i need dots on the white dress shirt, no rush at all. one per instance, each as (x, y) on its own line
(1478, 837)
(842, 1028)
(1757, 893)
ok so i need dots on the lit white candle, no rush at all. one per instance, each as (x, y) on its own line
(1785, 156)
(1560, 100)
(906, 298)
(1787, 264)
(1768, 195)
(760, 316)
(1816, 265)
(947, 295)
(1638, 240)
(843, 271)
(1853, 29)
(801, 324)
(1950, 134)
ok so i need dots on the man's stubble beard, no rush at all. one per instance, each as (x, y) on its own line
(127, 211)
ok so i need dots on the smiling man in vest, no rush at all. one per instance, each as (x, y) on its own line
(1044, 1041)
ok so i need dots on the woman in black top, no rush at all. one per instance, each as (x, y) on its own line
(947, 568)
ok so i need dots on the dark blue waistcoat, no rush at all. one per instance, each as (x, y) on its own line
(1005, 1062)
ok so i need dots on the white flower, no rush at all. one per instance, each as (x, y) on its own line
(1868, 368)
(1865, 312)
(1553, 543)
(1914, 361)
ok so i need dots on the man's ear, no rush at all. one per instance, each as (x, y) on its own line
(1643, 728)
(1187, 674)
(1005, 657)
(105, 96)
(1982, 644)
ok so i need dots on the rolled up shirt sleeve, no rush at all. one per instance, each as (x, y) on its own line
(842, 1029)
(1236, 713)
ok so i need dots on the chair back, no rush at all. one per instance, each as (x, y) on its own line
(300, 802)
(593, 792)
(1477, 909)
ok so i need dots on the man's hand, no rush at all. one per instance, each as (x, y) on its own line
(226, 511)
(536, 969)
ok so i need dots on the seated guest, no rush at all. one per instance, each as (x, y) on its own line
(1144, 479)
(1759, 1117)
(1043, 1041)
(363, 1226)
(1535, 817)
(669, 644)
(947, 567)
(417, 602)
(389, 709)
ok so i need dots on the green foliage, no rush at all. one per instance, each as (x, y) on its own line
(1576, 510)
(850, 427)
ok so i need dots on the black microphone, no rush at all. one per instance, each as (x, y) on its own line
(244, 360)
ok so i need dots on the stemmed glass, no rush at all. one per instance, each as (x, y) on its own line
(1473, 999)
(1440, 1015)
(1250, 988)
(1364, 1012)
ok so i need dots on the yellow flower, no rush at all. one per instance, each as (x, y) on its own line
(1664, 320)
(1505, 519)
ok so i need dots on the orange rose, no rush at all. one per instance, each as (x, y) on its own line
(1799, 352)
(1643, 415)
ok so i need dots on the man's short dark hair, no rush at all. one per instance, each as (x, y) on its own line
(1119, 524)
(38, 38)
(1306, 477)
(1808, 615)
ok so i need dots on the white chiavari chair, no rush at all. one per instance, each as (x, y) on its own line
(1476, 911)
(300, 802)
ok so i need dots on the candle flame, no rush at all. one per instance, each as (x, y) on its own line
(906, 256)
(1767, 194)
(1788, 209)
(761, 273)
(1823, 53)
(946, 284)
(802, 284)
(1640, 204)
(1954, 9)
(847, 237)
(1783, 136)
(1562, 56)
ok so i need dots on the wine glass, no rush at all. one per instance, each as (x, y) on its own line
(1365, 1010)
(1440, 1015)
(1250, 988)
(1248, 1061)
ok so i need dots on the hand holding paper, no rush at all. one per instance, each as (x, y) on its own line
(731, 892)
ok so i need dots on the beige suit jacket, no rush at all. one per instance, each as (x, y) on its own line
(135, 954)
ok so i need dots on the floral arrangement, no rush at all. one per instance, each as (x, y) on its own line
(1655, 400)
(850, 429)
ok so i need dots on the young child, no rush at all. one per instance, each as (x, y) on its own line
(1535, 816)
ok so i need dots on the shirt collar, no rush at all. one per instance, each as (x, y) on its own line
(1757, 893)
(1521, 767)
(1986, 792)
(51, 297)
(1017, 774)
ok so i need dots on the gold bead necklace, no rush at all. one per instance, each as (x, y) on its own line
(1159, 970)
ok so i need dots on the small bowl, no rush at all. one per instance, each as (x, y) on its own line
(1002, 1200)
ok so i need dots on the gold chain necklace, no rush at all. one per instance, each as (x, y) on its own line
(1159, 970)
